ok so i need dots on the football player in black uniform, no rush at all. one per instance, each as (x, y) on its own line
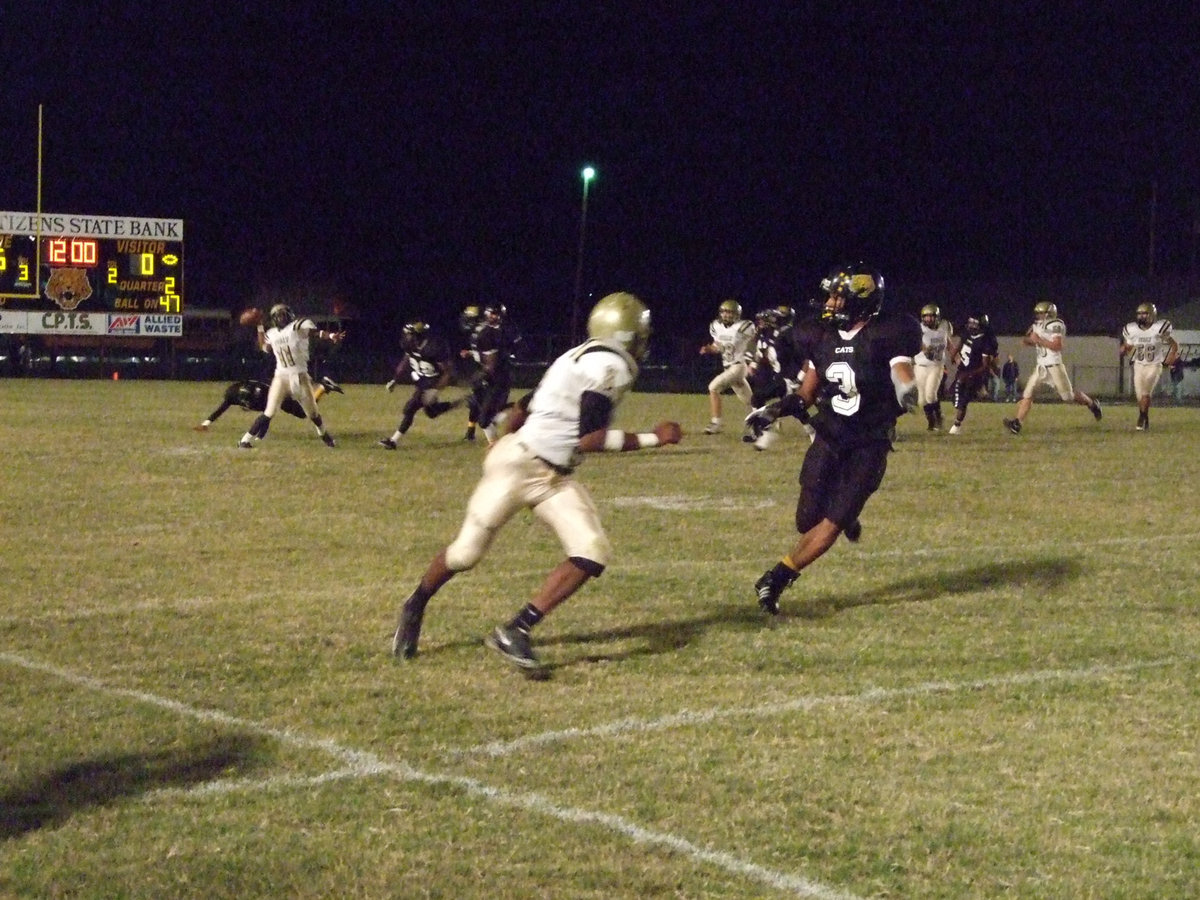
(428, 365)
(251, 395)
(494, 343)
(976, 357)
(861, 380)
(470, 320)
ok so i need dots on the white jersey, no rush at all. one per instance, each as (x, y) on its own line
(552, 429)
(736, 341)
(1048, 331)
(935, 344)
(1150, 345)
(290, 346)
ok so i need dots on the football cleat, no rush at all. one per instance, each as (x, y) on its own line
(1094, 406)
(245, 445)
(332, 386)
(712, 428)
(853, 531)
(768, 588)
(513, 645)
(1013, 425)
(200, 427)
(387, 444)
(408, 632)
(955, 429)
(328, 440)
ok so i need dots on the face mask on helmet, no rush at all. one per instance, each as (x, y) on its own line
(1045, 311)
(281, 314)
(976, 324)
(495, 313)
(469, 318)
(729, 312)
(930, 315)
(853, 294)
(1146, 314)
(622, 318)
(413, 336)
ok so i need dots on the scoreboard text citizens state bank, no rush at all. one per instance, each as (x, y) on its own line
(101, 264)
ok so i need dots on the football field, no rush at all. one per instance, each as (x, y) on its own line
(993, 694)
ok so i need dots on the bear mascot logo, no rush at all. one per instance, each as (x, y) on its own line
(68, 287)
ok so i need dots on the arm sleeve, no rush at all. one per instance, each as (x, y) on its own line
(595, 412)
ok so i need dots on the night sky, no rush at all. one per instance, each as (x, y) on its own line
(412, 163)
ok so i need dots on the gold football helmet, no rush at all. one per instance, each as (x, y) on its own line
(1044, 311)
(729, 312)
(1147, 313)
(623, 318)
(931, 314)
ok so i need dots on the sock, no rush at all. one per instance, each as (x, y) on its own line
(526, 618)
(785, 571)
(396, 435)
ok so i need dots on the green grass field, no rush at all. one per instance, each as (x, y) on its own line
(994, 694)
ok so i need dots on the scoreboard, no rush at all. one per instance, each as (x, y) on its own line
(58, 267)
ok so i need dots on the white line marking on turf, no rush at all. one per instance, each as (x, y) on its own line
(368, 764)
(691, 718)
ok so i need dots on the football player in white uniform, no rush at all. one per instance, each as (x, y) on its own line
(288, 338)
(930, 364)
(1148, 343)
(1046, 335)
(570, 413)
(733, 339)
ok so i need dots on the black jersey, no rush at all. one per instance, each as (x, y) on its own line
(793, 346)
(498, 340)
(426, 363)
(858, 399)
(974, 348)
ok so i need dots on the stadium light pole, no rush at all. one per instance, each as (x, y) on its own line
(588, 174)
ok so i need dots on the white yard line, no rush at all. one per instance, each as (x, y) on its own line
(692, 718)
(365, 764)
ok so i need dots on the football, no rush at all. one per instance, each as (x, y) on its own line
(251, 316)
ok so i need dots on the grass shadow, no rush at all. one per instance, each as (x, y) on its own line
(1041, 574)
(50, 799)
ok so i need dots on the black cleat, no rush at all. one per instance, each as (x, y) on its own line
(1013, 425)
(513, 645)
(1094, 406)
(245, 445)
(470, 435)
(768, 593)
(853, 531)
(332, 386)
(408, 632)
(387, 444)
(328, 440)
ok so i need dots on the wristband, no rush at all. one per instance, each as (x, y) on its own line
(614, 440)
(647, 439)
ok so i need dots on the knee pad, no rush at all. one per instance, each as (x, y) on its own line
(590, 566)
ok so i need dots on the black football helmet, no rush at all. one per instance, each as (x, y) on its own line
(860, 289)
(978, 323)
(495, 313)
(281, 314)
(414, 335)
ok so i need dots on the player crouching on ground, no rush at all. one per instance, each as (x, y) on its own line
(570, 413)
